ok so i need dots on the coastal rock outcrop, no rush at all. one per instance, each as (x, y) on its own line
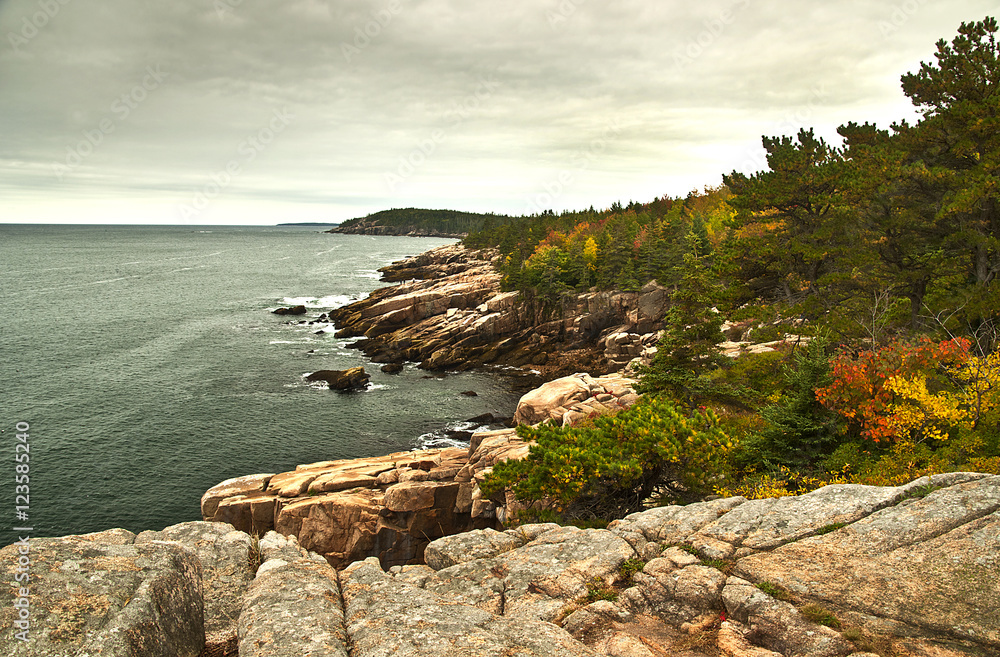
(290, 310)
(450, 313)
(354, 378)
(842, 571)
(388, 506)
(392, 506)
(373, 227)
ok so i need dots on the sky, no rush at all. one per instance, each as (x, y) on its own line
(268, 111)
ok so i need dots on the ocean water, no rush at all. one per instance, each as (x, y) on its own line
(149, 367)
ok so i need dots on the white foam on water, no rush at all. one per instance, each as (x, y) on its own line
(298, 301)
(440, 439)
(333, 301)
(328, 302)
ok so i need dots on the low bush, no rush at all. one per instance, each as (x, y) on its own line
(607, 468)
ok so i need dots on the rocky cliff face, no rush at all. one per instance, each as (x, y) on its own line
(845, 570)
(450, 314)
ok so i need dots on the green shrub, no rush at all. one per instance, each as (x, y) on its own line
(606, 468)
(775, 591)
(630, 567)
(597, 589)
(767, 333)
(722, 565)
(820, 616)
(799, 430)
(756, 379)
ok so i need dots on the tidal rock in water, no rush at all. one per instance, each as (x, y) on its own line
(291, 310)
(392, 368)
(354, 378)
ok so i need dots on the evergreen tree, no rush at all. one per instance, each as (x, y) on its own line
(799, 430)
(788, 230)
(688, 347)
(959, 136)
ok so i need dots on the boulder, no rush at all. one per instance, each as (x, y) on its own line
(778, 625)
(536, 406)
(291, 310)
(572, 398)
(226, 569)
(89, 597)
(477, 544)
(676, 595)
(541, 579)
(354, 378)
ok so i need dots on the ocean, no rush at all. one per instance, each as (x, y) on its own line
(149, 367)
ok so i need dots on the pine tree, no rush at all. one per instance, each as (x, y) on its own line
(688, 350)
(799, 429)
(787, 233)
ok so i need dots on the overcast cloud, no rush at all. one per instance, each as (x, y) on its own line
(265, 111)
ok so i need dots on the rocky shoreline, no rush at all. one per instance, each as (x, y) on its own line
(447, 312)
(846, 570)
(402, 555)
(373, 227)
(392, 506)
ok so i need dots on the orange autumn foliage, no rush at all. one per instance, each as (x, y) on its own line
(866, 391)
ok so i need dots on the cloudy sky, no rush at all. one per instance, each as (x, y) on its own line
(267, 111)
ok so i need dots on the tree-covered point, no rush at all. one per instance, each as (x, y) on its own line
(407, 220)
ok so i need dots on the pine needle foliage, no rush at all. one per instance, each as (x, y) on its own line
(608, 467)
